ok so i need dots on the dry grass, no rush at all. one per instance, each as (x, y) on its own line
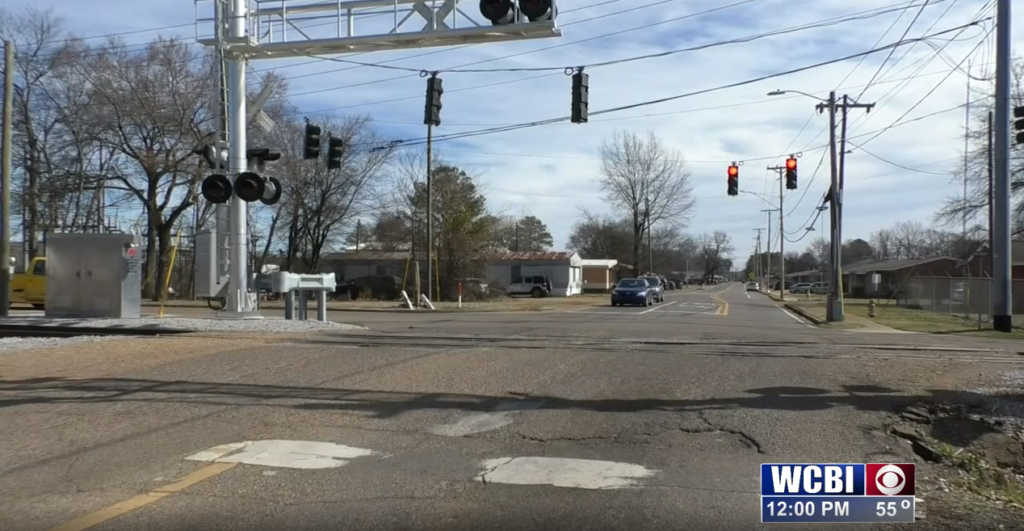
(909, 320)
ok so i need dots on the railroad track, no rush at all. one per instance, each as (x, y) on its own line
(73, 331)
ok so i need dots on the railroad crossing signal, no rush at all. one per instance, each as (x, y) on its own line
(791, 173)
(734, 179)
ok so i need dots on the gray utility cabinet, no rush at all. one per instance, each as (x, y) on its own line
(93, 275)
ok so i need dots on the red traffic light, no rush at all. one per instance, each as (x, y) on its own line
(734, 171)
(791, 163)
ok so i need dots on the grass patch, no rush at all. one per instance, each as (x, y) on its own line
(925, 321)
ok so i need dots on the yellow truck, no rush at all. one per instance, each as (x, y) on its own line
(30, 287)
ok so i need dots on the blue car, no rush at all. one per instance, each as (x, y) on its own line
(632, 291)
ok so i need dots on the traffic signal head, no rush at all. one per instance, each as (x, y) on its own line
(1018, 123)
(432, 110)
(734, 180)
(216, 189)
(499, 12)
(791, 173)
(311, 149)
(580, 97)
(249, 187)
(335, 147)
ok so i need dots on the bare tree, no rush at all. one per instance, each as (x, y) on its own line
(883, 244)
(715, 248)
(323, 202)
(152, 110)
(646, 182)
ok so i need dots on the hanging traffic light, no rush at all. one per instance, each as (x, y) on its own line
(791, 173)
(580, 97)
(734, 179)
(311, 144)
(432, 112)
(537, 10)
(216, 189)
(499, 12)
(1018, 123)
(335, 146)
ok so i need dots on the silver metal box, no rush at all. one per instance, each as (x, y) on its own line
(211, 282)
(93, 275)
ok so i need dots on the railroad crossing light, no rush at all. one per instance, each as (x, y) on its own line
(791, 173)
(734, 180)
(216, 189)
(580, 97)
(537, 10)
(311, 143)
(1018, 123)
(271, 191)
(249, 187)
(499, 12)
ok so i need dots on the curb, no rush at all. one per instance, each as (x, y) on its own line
(802, 313)
(388, 310)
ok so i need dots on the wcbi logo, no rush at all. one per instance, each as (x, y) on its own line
(844, 479)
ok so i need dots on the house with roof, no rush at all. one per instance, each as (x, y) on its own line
(564, 269)
(885, 278)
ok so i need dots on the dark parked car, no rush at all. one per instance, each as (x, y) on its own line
(657, 288)
(632, 291)
(380, 287)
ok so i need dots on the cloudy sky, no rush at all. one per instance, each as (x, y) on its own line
(552, 171)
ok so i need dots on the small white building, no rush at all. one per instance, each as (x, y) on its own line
(563, 269)
(598, 275)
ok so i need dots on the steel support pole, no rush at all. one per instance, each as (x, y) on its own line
(1002, 318)
(5, 184)
(240, 304)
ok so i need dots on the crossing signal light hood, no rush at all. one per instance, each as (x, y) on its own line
(499, 12)
(216, 189)
(249, 186)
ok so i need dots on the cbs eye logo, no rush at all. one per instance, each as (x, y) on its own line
(890, 479)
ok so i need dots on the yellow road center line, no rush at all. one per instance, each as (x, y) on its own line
(93, 519)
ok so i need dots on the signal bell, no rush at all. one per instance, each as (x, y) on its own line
(216, 189)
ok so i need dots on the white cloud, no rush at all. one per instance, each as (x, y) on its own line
(551, 171)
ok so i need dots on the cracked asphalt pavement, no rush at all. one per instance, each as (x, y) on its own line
(648, 418)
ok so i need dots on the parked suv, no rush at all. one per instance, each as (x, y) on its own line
(534, 286)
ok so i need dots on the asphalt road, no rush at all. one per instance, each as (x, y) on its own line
(645, 418)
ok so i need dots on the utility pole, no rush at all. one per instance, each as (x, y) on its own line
(517, 235)
(650, 246)
(430, 212)
(780, 170)
(1002, 312)
(768, 276)
(988, 167)
(757, 255)
(967, 137)
(834, 309)
(5, 181)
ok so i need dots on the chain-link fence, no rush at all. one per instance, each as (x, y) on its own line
(961, 296)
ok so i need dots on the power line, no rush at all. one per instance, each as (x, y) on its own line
(892, 51)
(468, 134)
